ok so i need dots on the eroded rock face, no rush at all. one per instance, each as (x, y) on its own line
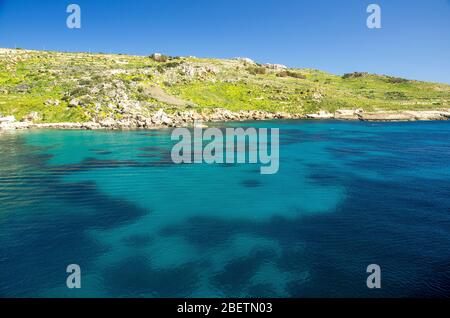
(429, 115)
(31, 117)
(7, 119)
(52, 102)
(197, 71)
(74, 102)
(406, 116)
(446, 114)
(276, 66)
(246, 60)
(320, 115)
(14, 125)
(190, 118)
(161, 118)
(359, 114)
(384, 116)
(108, 123)
(158, 57)
(348, 114)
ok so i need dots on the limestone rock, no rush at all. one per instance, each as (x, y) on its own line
(348, 114)
(161, 118)
(108, 123)
(276, 66)
(14, 125)
(428, 115)
(320, 115)
(388, 116)
(158, 57)
(246, 60)
(52, 102)
(74, 102)
(32, 117)
(317, 96)
(7, 119)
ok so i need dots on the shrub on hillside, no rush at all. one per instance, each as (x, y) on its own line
(255, 70)
(22, 88)
(395, 95)
(396, 80)
(287, 73)
(157, 57)
(172, 64)
(76, 92)
(355, 75)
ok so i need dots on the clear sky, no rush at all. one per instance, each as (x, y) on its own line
(330, 35)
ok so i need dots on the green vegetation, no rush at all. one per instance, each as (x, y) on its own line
(288, 73)
(76, 87)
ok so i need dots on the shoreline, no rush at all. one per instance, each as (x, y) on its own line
(161, 120)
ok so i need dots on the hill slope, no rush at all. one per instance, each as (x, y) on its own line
(76, 87)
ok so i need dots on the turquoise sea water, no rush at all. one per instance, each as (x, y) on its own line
(348, 194)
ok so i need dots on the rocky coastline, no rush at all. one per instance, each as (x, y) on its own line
(161, 119)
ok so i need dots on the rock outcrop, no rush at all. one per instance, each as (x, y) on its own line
(405, 116)
(320, 115)
(387, 116)
(276, 66)
(429, 115)
(31, 117)
(7, 119)
(348, 114)
(246, 60)
(161, 119)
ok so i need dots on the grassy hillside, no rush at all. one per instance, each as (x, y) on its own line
(61, 87)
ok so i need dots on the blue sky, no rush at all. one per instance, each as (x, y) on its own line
(330, 35)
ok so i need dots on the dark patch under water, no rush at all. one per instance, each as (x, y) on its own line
(251, 183)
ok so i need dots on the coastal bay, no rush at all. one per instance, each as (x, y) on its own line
(348, 194)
